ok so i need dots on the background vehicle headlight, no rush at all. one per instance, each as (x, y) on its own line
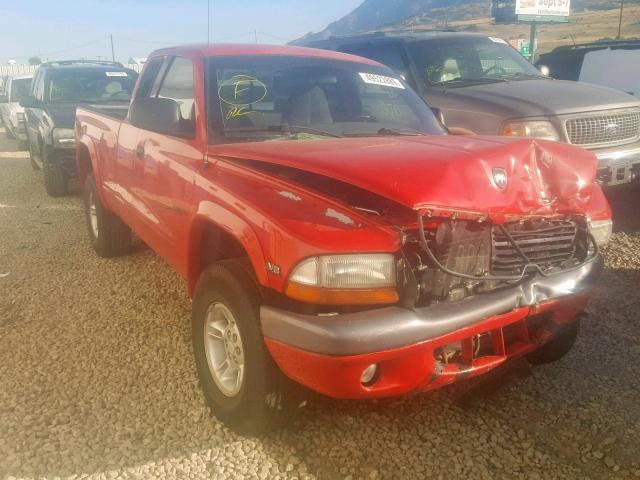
(601, 231)
(64, 137)
(535, 129)
(345, 279)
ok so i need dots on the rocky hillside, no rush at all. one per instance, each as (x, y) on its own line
(377, 14)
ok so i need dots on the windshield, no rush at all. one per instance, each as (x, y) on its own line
(20, 88)
(91, 86)
(300, 97)
(460, 61)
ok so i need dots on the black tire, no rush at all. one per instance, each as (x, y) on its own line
(557, 347)
(266, 399)
(55, 178)
(32, 157)
(113, 237)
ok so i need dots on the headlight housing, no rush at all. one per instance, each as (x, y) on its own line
(354, 279)
(601, 231)
(534, 129)
(64, 137)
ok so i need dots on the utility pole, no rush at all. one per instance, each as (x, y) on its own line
(255, 36)
(620, 21)
(533, 39)
(208, 22)
(113, 52)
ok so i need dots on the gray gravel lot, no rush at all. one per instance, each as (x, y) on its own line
(97, 379)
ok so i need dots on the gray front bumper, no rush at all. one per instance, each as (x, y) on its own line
(394, 327)
(619, 165)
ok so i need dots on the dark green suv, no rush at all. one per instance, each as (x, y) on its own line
(50, 108)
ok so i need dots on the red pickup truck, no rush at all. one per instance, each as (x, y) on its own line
(332, 234)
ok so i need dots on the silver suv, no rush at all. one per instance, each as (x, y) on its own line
(481, 85)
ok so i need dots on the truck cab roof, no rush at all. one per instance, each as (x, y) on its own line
(227, 50)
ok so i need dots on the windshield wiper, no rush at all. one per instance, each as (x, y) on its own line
(293, 129)
(456, 81)
(522, 76)
(400, 131)
(282, 130)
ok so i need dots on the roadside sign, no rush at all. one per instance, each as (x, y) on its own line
(543, 8)
(522, 46)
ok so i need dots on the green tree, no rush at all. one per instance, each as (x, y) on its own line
(35, 61)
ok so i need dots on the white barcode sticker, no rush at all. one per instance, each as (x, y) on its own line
(374, 79)
(498, 40)
(117, 74)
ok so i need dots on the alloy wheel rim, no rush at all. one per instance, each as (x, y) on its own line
(93, 214)
(224, 349)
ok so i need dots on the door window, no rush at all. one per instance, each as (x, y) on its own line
(178, 86)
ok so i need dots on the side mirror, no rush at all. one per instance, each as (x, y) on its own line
(160, 115)
(544, 70)
(439, 115)
(4, 99)
(30, 102)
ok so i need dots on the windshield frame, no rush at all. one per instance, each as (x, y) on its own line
(529, 71)
(218, 134)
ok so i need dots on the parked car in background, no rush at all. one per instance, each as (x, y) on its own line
(11, 111)
(614, 64)
(332, 233)
(481, 85)
(56, 90)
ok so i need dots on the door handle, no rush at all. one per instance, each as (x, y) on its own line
(140, 151)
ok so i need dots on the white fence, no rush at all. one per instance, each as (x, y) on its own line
(17, 69)
(23, 69)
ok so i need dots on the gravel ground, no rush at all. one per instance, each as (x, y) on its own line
(97, 379)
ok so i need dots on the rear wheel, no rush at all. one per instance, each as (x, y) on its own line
(55, 178)
(109, 235)
(558, 346)
(241, 383)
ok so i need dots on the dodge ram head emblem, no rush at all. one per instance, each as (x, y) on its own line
(500, 178)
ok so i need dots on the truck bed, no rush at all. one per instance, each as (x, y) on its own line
(118, 111)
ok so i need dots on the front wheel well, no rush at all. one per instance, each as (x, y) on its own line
(211, 244)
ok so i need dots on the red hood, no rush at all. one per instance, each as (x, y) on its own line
(448, 173)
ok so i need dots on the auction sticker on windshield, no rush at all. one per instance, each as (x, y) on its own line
(374, 79)
(116, 74)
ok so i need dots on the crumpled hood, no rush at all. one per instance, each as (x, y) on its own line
(444, 173)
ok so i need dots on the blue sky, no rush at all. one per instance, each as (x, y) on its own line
(59, 29)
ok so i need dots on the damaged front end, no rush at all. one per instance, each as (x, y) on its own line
(474, 294)
(447, 260)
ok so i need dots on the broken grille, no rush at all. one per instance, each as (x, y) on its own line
(546, 243)
(604, 129)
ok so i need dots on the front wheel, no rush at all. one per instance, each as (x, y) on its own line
(558, 346)
(34, 158)
(241, 383)
(55, 178)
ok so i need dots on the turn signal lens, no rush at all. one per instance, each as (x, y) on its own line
(327, 296)
(534, 129)
(345, 279)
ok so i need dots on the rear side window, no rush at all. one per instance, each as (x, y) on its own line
(177, 85)
(148, 78)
